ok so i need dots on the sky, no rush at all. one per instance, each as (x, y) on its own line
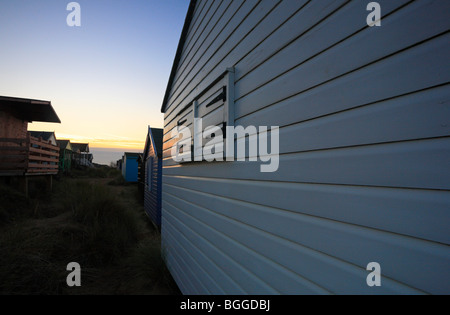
(106, 79)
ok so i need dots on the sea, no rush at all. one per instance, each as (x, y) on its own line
(104, 156)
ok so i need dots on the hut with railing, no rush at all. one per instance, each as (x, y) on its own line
(47, 136)
(22, 155)
(81, 156)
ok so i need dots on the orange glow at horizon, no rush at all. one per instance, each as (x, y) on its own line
(112, 142)
(109, 143)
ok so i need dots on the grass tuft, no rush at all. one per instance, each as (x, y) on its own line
(101, 227)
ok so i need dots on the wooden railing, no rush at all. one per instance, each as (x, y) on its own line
(29, 156)
(13, 156)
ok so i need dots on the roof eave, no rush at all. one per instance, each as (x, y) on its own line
(29, 109)
(184, 32)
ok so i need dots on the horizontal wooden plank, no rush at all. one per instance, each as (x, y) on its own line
(392, 120)
(243, 275)
(41, 172)
(41, 166)
(45, 145)
(209, 28)
(384, 79)
(225, 26)
(425, 211)
(219, 281)
(379, 81)
(247, 16)
(168, 153)
(313, 20)
(43, 159)
(44, 152)
(185, 119)
(204, 102)
(244, 243)
(413, 164)
(202, 10)
(344, 241)
(214, 118)
(199, 12)
(277, 115)
(169, 133)
(177, 255)
(376, 123)
(303, 54)
(182, 256)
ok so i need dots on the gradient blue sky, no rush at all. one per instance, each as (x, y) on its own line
(106, 79)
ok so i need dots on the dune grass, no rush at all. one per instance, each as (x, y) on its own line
(103, 228)
(13, 205)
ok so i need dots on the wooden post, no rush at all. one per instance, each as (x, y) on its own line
(27, 159)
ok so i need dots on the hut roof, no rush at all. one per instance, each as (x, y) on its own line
(29, 110)
(158, 135)
(64, 144)
(154, 135)
(45, 135)
(80, 147)
(132, 155)
(181, 43)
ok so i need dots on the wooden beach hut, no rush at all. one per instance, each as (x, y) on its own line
(152, 166)
(65, 155)
(22, 155)
(45, 135)
(130, 167)
(81, 155)
(361, 113)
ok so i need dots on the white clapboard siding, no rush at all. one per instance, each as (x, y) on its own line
(410, 164)
(364, 165)
(241, 241)
(337, 202)
(221, 19)
(333, 61)
(312, 21)
(332, 238)
(228, 34)
(416, 65)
